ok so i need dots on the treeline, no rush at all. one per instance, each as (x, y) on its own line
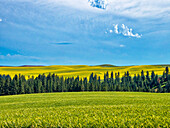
(112, 82)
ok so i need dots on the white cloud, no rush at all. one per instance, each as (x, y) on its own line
(128, 32)
(124, 30)
(0, 20)
(122, 45)
(111, 31)
(128, 8)
(102, 4)
(116, 28)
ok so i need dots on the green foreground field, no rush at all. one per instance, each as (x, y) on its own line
(80, 70)
(86, 109)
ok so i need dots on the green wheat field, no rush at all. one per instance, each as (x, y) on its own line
(86, 109)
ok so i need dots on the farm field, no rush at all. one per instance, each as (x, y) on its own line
(81, 70)
(86, 109)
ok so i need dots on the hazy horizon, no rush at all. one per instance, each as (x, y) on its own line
(32, 65)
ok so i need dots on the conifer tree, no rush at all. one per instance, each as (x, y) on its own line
(17, 83)
(99, 83)
(91, 78)
(7, 85)
(95, 83)
(82, 85)
(142, 75)
(62, 84)
(107, 76)
(105, 86)
(111, 76)
(160, 89)
(167, 72)
(85, 84)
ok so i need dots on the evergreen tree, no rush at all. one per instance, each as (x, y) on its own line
(7, 85)
(13, 87)
(62, 86)
(16, 78)
(112, 76)
(105, 86)
(95, 82)
(85, 84)
(91, 78)
(107, 76)
(142, 75)
(160, 89)
(54, 83)
(167, 72)
(82, 85)
(1, 85)
(22, 85)
(44, 83)
(54, 88)
(147, 76)
(99, 83)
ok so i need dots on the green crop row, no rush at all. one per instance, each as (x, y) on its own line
(88, 109)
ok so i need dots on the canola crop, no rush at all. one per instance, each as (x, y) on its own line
(80, 70)
(86, 109)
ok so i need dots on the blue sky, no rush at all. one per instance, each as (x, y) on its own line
(68, 32)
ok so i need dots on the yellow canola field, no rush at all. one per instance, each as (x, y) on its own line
(80, 70)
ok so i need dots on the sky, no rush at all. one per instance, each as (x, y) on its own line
(84, 32)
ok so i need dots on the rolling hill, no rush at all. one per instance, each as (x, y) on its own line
(81, 70)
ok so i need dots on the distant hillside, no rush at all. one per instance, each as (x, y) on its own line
(31, 66)
(107, 65)
(23, 66)
(80, 70)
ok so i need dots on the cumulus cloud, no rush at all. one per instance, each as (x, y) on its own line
(102, 4)
(116, 28)
(125, 31)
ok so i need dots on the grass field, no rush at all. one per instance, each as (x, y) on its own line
(86, 109)
(81, 70)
